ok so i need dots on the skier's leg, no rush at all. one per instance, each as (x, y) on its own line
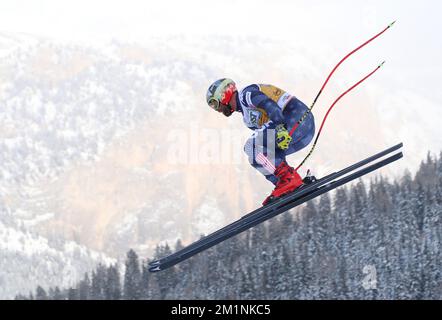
(262, 154)
(302, 136)
(270, 161)
(305, 132)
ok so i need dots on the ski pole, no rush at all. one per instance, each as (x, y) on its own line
(331, 107)
(331, 73)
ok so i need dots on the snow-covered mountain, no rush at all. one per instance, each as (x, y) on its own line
(28, 260)
(112, 147)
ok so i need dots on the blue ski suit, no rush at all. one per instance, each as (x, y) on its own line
(264, 107)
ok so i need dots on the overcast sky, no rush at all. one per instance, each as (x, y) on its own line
(86, 19)
(412, 50)
(309, 22)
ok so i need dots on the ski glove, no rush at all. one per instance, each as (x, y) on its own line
(283, 137)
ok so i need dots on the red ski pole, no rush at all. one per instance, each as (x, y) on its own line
(331, 107)
(331, 73)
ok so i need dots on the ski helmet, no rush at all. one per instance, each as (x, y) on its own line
(220, 92)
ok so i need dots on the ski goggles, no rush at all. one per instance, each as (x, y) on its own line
(214, 104)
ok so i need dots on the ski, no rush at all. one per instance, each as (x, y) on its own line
(281, 205)
(292, 196)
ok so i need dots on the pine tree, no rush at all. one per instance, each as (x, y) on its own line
(374, 252)
(326, 235)
(246, 290)
(278, 274)
(426, 176)
(341, 208)
(73, 294)
(311, 259)
(98, 283)
(357, 258)
(84, 288)
(41, 294)
(145, 281)
(167, 279)
(57, 295)
(112, 288)
(132, 277)
(257, 236)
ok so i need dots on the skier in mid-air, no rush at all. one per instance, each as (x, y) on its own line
(282, 125)
(270, 112)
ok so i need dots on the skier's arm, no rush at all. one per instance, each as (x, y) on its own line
(274, 112)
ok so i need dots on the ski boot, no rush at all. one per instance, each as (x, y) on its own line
(288, 181)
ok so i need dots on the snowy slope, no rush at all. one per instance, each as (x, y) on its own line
(28, 260)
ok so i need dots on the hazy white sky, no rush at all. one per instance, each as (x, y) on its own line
(412, 50)
(136, 19)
